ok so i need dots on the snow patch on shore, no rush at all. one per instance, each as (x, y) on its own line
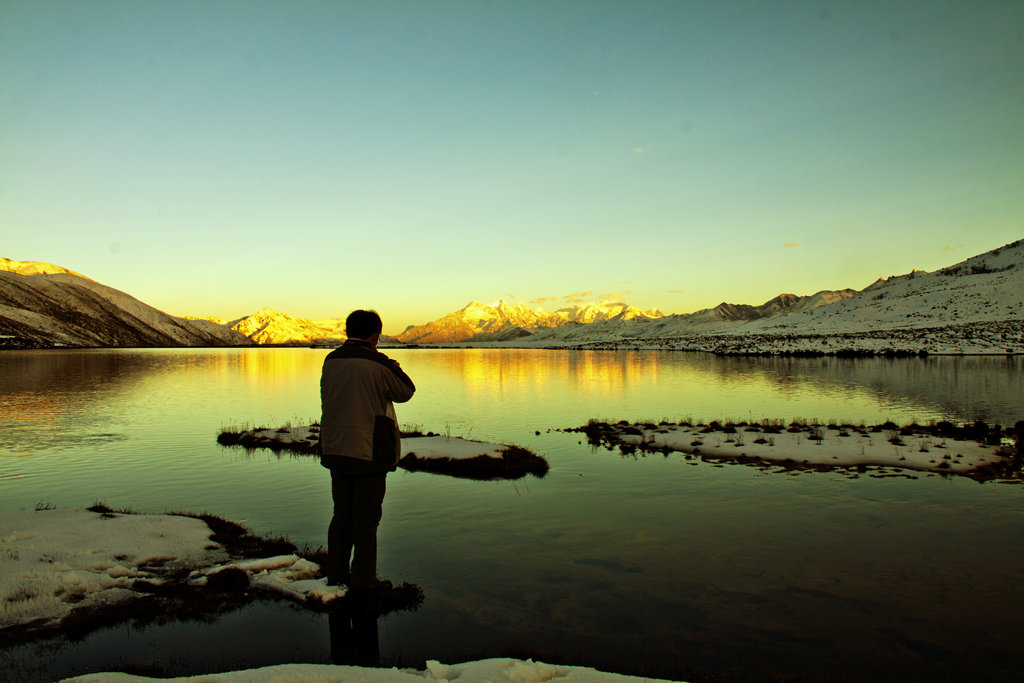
(485, 670)
(53, 561)
(290, 575)
(453, 447)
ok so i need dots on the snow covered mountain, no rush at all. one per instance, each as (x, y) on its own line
(500, 321)
(45, 305)
(984, 288)
(724, 316)
(976, 306)
(35, 268)
(268, 326)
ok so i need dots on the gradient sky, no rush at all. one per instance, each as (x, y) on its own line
(215, 157)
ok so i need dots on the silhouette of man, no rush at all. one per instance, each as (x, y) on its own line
(359, 444)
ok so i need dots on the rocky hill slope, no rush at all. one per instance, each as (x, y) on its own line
(44, 305)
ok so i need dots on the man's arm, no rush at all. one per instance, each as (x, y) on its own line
(400, 386)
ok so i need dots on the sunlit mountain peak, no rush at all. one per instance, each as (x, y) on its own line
(500, 320)
(36, 268)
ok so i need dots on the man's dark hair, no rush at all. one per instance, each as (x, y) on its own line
(362, 324)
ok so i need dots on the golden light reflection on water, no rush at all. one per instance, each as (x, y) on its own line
(491, 373)
(28, 407)
(673, 385)
(488, 373)
(282, 365)
(534, 388)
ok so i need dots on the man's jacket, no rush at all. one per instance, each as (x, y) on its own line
(358, 427)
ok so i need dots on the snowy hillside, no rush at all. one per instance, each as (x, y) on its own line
(34, 268)
(725, 316)
(45, 305)
(499, 321)
(976, 306)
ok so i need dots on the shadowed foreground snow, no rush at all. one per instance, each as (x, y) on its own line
(470, 672)
(55, 561)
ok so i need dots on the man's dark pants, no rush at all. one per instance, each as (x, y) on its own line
(358, 500)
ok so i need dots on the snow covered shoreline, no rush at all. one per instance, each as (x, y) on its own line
(979, 339)
(481, 671)
(1002, 338)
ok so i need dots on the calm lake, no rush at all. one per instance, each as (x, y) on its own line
(642, 565)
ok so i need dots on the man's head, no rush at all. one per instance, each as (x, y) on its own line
(365, 325)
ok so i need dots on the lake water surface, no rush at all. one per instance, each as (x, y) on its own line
(656, 565)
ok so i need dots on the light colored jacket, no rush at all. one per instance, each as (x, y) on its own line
(358, 426)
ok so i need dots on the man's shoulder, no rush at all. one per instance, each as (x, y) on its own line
(352, 354)
(347, 351)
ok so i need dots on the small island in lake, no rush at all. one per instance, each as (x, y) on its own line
(430, 452)
(976, 450)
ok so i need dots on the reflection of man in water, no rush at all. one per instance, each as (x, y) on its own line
(354, 639)
(360, 444)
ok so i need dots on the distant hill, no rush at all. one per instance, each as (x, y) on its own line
(45, 305)
(500, 321)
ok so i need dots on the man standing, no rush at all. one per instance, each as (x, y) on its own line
(360, 444)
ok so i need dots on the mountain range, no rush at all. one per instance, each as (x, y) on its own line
(500, 321)
(975, 306)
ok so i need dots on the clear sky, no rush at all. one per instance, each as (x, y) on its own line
(214, 157)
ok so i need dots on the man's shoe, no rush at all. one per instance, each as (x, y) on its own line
(344, 579)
